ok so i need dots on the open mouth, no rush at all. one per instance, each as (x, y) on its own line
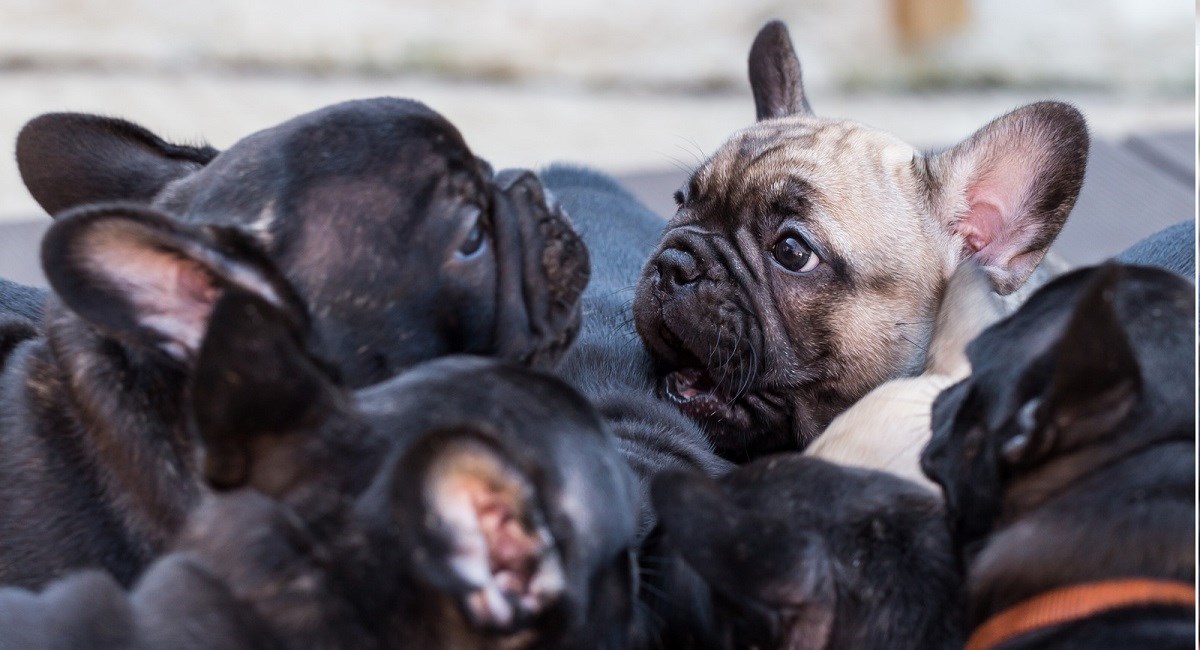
(695, 392)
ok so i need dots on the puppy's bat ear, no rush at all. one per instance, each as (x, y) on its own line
(1094, 378)
(486, 539)
(746, 556)
(145, 279)
(1006, 191)
(255, 384)
(69, 159)
(775, 74)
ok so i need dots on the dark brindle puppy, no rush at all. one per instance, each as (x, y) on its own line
(401, 241)
(1068, 456)
(806, 260)
(795, 552)
(464, 504)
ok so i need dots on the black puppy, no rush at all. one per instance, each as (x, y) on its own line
(795, 552)
(465, 504)
(402, 243)
(1068, 463)
(608, 362)
(399, 240)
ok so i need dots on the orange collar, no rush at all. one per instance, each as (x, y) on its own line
(1077, 602)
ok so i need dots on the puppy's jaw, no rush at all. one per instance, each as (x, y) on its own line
(711, 373)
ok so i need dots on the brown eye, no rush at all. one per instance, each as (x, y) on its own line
(794, 254)
(476, 238)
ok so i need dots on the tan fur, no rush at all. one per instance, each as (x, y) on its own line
(869, 207)
(887, 429)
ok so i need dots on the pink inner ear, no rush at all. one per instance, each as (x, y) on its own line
(981, 225)
(192, 302)
(171, 295)
(196, 289)
(994, 227)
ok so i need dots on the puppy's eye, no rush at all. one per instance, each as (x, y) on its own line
(794, 254)
(476, 239)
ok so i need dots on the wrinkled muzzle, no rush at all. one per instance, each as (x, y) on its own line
(543, 269)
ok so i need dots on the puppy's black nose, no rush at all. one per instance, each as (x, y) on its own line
(676, 268)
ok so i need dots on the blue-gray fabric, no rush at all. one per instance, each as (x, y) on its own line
(20, 300)
(1173, 248)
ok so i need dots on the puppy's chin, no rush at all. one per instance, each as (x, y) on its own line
(740, 426)
(717, 380)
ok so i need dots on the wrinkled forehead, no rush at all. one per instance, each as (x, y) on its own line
(822, 153)
(839, 176)
(845, 182)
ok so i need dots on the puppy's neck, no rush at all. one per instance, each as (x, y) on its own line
(1086, 519)
(126, 409)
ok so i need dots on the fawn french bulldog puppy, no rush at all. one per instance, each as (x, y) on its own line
(374, 214)
(889, 426)
(1067, 459)
(806, 260)
(464, 504)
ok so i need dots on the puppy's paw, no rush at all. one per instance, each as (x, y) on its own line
(499, 542)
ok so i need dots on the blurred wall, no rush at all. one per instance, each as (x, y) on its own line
(1137, 45)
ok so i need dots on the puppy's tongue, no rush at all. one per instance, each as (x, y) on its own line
(689, 385)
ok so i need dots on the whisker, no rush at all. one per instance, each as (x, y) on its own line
(699, 151)
(729, 359)
(915, 344)
(679, 164)
(716, 346)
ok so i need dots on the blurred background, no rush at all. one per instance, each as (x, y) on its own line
(641, 89)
